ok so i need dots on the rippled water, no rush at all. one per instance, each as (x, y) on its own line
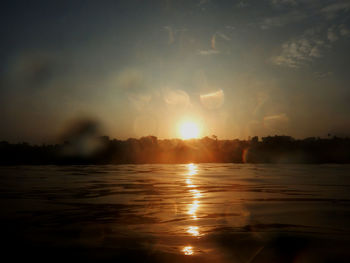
(177, 213)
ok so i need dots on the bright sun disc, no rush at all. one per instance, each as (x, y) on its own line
(189, 130)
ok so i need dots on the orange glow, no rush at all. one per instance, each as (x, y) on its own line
(189, 130)
(193, 230)
(192, 169)
(193, 209)
(190, 183)
(196, 193)
(188, 250)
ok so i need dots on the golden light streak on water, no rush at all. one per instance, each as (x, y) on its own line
(192, 169)
(190, 184)
(196, 193)
(193, 209)
(188, 250)
(193, 230)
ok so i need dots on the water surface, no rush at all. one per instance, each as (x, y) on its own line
(177, 213)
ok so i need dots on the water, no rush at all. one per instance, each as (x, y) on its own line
(177, 213)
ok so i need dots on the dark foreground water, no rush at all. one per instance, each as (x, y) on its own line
(176, 213)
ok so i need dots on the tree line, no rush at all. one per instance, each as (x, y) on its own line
(150, 149)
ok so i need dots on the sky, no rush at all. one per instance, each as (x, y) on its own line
(235, 68)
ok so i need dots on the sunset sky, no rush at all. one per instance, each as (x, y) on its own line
(234, 68)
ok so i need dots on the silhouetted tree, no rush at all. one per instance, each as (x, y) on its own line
(149, 149)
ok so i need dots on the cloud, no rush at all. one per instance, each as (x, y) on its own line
(334, 33)
(315, 41)
(310, 9)
(331, 11)
(315, 52)
(297, 51)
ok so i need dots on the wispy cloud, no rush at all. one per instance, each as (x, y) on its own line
(298, 51)
(315, 41)
(304, 9)
(334, 33)
(331, 10)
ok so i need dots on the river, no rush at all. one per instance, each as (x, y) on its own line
(177, 213)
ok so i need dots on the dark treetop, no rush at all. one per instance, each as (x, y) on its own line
(102, 150)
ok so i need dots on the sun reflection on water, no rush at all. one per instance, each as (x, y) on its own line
(190, 183)
(193, 209)
(193, 206)
(193, 230)
(188, 250)
(192, 169)
(196, 193)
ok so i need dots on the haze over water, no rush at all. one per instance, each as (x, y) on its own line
(177, 213)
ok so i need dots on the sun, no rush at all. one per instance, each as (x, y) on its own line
(189, 130)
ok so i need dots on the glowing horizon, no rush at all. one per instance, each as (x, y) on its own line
(189, 130)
